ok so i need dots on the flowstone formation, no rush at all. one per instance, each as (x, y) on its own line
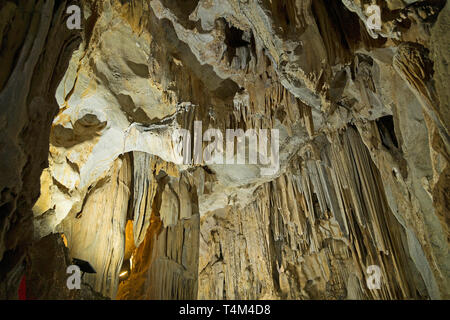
(362, 116)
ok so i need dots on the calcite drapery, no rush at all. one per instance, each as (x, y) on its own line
(363, 121)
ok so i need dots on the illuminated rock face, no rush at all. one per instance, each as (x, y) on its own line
(35, 52)
(363, 122)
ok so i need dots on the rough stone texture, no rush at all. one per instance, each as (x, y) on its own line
(46, 278)
(364, 150)
(97, 233)
(165, 264)
(311, 235)
(35, 48)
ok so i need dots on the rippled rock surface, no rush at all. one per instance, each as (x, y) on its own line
(88, 155)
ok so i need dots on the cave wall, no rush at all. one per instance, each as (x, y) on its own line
(165, 261)
(311, 234)
(35, 49)
(97, 233)
(364, 152)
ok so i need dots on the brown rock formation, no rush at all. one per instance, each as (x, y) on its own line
(35, 51)
(363, 121)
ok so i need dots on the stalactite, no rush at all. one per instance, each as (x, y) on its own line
(360, 113)
(166, 262)
(324, 225)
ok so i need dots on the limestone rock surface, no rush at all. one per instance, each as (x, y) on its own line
(364, 159)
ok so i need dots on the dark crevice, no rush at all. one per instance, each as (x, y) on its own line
(386, 129)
